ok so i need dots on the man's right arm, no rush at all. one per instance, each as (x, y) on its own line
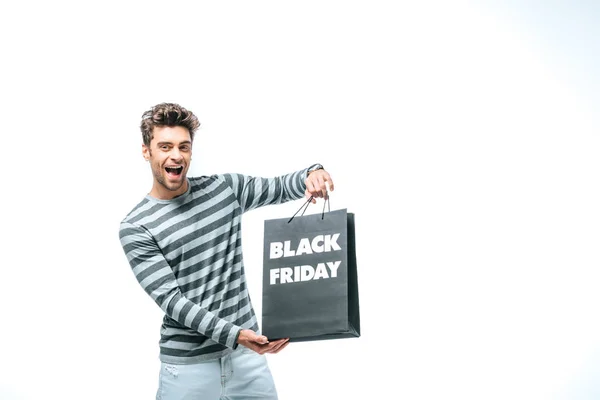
(156, 277)
(260, 343)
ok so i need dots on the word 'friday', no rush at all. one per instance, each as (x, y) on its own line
(304, 273)
(319, 244)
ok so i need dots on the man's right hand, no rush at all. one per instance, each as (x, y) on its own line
(259, 343)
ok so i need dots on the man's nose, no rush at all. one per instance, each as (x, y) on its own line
(176, 154)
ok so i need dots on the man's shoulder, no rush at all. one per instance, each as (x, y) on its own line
(195, 180)
(135, 211)
(204, 182)
(198, 180)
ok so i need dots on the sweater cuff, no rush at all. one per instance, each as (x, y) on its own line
(235, 343)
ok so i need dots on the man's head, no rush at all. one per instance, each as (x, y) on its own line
(168, 131)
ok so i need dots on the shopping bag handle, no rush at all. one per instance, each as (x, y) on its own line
(305, 206)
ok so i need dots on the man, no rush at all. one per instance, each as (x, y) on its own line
(183, 242)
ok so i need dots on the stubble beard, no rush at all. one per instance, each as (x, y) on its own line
(162, 180)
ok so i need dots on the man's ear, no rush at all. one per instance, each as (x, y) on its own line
(146, 153)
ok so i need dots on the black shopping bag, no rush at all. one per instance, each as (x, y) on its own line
(310, 287)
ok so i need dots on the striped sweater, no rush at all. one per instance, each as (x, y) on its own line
(186, 253)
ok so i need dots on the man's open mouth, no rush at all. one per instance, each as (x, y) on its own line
(174, 171)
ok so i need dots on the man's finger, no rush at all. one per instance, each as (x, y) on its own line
(266, 348)
(329, 181)
(308, 195)
(278, 344)
(262, 339)
(283, 346)
(310, 187)
(322, 187)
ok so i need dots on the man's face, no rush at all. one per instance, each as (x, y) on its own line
(169, 155)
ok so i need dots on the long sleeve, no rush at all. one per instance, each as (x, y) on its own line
(156, 277)
(253, 192)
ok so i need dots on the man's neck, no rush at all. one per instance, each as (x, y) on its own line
(160, 192)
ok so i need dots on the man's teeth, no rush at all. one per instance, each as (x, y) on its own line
(174, 169)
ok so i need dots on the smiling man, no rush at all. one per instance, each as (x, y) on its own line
(169, 161)
(183, 243)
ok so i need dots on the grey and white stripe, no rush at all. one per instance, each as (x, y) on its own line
(186, 253)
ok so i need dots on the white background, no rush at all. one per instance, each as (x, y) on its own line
(464, 137)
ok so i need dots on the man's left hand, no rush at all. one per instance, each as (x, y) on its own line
(317, 183)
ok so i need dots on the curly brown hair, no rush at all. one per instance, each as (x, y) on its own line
(167, 114)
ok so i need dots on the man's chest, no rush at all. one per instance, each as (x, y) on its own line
(198, 233)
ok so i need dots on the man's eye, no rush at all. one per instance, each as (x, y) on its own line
(164, 147)
(184, 148)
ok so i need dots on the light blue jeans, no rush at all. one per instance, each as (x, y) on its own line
(244, 374)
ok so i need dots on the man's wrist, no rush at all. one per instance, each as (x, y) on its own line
(314, 168)
(237, 337)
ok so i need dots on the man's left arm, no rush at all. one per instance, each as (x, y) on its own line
(253, 192)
